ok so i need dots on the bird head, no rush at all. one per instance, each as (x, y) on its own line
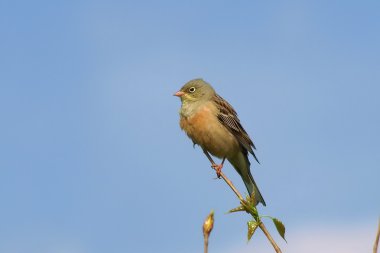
(195, 90)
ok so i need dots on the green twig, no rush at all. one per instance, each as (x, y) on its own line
(251, 209)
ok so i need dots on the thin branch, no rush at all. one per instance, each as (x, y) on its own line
(229, 182)
(262, 226)
(376, 244)
(272, 241)
(206, 244)
(231, 185)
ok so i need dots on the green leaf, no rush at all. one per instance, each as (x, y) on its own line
(280, 227)
(255, 213)
(250, 208)
(237, 209)
(252, 226)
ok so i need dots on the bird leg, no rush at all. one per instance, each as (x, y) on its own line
(216, 167)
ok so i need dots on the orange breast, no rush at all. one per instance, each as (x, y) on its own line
(204, 128)
(196, 125)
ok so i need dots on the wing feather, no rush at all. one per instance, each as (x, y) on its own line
(229, 118)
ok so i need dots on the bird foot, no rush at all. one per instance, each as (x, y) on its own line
(218, 169)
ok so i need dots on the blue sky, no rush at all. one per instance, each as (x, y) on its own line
(93, 159)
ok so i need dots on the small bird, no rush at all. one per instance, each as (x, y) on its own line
(212, 123)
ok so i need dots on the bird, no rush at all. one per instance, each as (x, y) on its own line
(213, 124)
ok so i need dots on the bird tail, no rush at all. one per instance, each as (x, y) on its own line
(252, 187)
(242, 166)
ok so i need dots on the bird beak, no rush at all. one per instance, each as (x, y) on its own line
(179, 93)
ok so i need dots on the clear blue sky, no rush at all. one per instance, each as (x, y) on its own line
(91, 155)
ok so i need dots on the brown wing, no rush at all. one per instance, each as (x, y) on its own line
(228, 117)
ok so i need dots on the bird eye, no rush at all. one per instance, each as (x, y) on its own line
(192, 89)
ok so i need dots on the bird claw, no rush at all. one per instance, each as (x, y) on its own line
(218, 169)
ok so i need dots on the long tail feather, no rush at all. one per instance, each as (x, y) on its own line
(252, 187)
(242, 166)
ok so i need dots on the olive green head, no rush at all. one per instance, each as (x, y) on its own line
(195, 90)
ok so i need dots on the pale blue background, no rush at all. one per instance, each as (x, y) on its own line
(92, 158)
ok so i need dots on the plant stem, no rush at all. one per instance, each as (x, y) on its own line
(377, 239)
(231, 185)
(205, 244)
(262, 226)
(267, 234)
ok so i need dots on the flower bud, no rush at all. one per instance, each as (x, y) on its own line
(208, 224)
